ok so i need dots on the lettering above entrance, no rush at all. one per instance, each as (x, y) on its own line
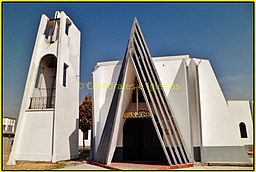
(139, 114)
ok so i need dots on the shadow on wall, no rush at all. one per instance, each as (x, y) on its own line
(110, 93)
(73, 142)
(92, 144)
(106, 136)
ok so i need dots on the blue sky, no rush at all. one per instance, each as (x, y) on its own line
(222, 33)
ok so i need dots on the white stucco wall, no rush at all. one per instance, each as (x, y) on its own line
(218, 126)
(61, 127)
(241, 112)
(103, 76)
(65, 144)
(36, 142)
(87, 142)
(194, 104)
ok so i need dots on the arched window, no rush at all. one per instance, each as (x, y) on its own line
(243, 131)
(45, 86)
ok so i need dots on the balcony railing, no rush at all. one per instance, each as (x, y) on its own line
(42, 102)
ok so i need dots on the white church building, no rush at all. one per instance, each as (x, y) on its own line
(168, 109)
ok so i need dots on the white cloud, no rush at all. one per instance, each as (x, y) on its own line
(234, 78)
(237, 86)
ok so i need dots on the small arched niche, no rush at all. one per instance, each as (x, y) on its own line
(243, 131)
(44, 91)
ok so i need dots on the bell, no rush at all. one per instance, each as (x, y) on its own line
(52, 63)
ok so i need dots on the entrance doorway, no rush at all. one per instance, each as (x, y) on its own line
(140, 141)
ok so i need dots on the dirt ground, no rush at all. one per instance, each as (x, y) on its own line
(44, 165)
(83, 156)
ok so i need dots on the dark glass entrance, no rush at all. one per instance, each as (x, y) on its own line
(140, 141)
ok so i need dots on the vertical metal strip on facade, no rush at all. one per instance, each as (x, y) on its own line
(168, 115)
(156, 100)
(152, 75)
(170, 139)
(146, 92)
(162, 94)
(138, 74)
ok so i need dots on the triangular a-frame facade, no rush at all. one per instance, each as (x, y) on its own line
(138, 57)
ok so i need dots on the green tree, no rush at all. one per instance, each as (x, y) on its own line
(85, 116)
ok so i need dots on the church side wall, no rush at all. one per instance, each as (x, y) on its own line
(240, 111)
(220, 141)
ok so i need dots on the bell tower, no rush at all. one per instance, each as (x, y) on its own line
(47, 127)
